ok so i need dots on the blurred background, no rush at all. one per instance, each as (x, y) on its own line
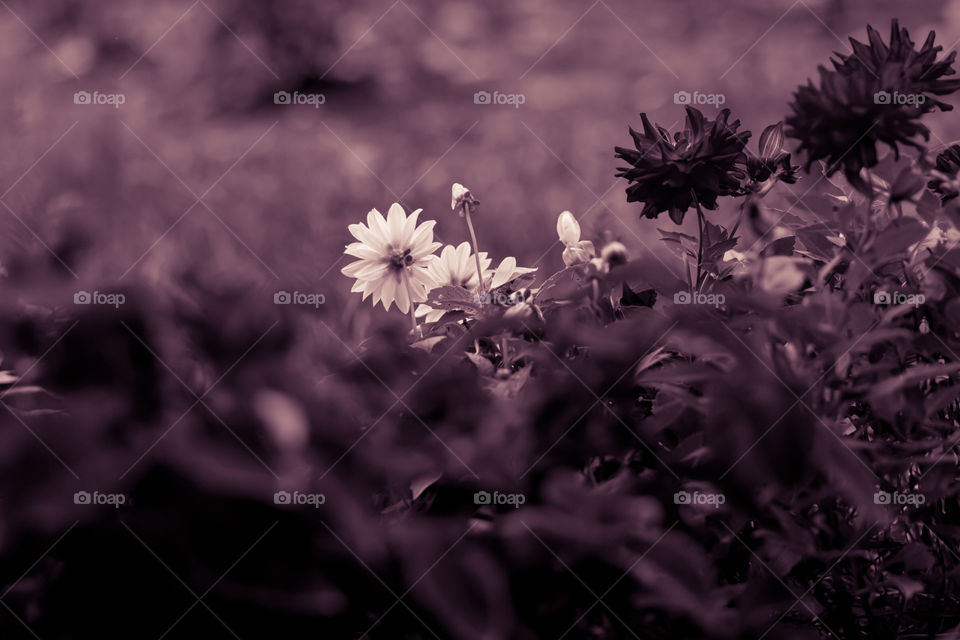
(196, 168)
(200, 156)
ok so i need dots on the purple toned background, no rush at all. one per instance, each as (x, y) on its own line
(113, 191)
(186, 186)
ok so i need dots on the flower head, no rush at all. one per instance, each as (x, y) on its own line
(876, 94)
(455, 267)
(701, 162)
(461, 197)
(394, 257)
(614, 255)
(913, 72)
(773, 161)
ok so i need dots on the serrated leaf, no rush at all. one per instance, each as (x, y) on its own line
(452, 298)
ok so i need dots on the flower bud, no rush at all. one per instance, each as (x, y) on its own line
(596, 268)
(578, 253)
(614, 254)
(519, 310)
(568, 229)
(460, 194)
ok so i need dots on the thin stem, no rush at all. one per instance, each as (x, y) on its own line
(736, 226)
(476, 250)
(700, 247)
(413, 313)
(870, 195)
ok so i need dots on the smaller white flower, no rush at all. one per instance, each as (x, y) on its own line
(456, 267)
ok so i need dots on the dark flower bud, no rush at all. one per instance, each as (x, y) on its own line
(614, 255)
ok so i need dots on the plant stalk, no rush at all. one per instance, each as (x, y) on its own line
(413, 314)
(700, 247)
(476, 249)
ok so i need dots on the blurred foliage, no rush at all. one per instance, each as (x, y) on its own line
(797, 397)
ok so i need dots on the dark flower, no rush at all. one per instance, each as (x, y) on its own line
(700, 162)
(900, 66)
(944, 182)
(876, 94)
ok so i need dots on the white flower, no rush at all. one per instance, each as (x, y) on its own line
(395, 254)
(456, 267)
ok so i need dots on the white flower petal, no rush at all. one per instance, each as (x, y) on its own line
(365, 235)
(423, 235)
(388, 292)
(378, 225)
(409, 227)
(403, 299)
(351, 269)
(507, 271)
(374, 270)
(395, 219)
(363, 251)
(568, 229)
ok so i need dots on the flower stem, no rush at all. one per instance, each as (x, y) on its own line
(476, 249)
(413, 313)
(700, 247)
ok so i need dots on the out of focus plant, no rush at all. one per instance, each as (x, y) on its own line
(753, 437)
